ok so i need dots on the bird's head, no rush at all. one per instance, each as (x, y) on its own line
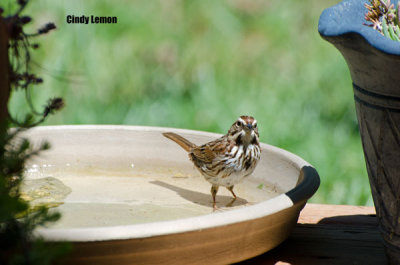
(244, 131)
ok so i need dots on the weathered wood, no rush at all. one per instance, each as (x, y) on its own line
(330, 234)
(338, 214)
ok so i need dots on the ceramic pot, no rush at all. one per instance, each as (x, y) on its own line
(374, 64)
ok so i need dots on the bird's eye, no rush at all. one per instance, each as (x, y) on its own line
(238, 123)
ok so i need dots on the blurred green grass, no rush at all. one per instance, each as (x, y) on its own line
(201, 64)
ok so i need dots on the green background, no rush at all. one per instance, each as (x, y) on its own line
(199, 65)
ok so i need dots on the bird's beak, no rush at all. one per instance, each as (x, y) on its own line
(249, 126)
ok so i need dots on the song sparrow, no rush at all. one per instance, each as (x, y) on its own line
(228, 159)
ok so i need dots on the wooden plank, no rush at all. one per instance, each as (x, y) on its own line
(338, 214)
(330, 234)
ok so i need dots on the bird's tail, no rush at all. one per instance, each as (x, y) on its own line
(184, 143)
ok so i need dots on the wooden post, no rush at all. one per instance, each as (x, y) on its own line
(4, 72)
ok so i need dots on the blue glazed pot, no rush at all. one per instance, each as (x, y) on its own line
(374, 64)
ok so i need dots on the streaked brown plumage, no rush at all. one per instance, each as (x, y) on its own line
(228, 159)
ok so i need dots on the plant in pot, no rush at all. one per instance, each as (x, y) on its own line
(366, 34)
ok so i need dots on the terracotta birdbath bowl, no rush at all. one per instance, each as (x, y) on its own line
(128, 195)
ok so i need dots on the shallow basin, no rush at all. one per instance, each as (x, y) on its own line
(128, 195)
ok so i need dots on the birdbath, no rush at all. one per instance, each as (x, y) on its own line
(129, 195)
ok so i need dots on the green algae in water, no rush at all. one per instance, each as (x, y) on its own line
(49, 192)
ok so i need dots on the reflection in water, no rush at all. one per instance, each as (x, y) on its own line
(92, 197)
(201, 198)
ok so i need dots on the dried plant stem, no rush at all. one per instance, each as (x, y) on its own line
(4, 73)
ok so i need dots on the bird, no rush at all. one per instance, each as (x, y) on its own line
(225, 161)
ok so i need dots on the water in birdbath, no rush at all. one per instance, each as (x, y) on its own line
(88, 197)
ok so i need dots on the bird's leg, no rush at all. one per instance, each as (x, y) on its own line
(234, 196)
(231, 190)
(214, 190)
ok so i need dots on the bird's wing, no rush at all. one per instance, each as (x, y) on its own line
(209, 152)
(203, 154)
